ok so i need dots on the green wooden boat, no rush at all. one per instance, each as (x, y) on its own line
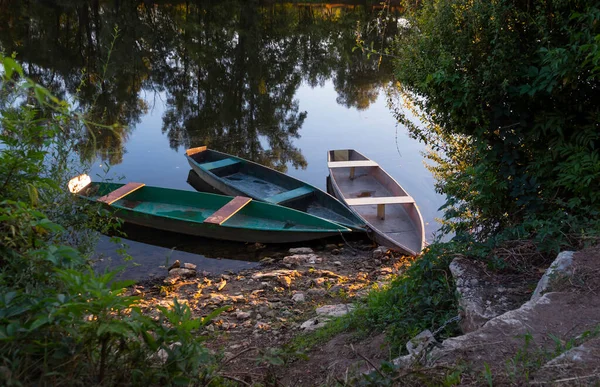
(236, 176)
(203, 214)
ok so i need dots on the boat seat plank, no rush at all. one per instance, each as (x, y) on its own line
(228, 210)
(379, 200)
(120, 193)
(352, 164)
(289, 195)
(219, 164)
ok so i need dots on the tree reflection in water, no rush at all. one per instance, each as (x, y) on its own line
(229, 69)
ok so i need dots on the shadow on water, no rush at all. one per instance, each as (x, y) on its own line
(150, 261)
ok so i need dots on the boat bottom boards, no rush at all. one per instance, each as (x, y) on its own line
(255, 186)
(396, 225)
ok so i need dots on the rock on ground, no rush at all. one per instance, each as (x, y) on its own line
(533, 339)
(301, 250)
(480, 296)
(562, 266)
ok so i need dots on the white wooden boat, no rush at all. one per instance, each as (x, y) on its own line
(378, 199)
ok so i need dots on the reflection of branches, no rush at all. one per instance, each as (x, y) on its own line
(230, 69)
(76, 62)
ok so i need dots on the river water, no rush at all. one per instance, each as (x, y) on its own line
(277, 83)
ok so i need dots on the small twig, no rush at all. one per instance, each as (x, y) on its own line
(234, 356)
(367, 360)
(235, 379)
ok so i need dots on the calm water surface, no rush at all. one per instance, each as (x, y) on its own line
(276, 83)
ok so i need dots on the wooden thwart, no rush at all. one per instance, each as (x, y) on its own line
(351, 164)
(228, 210)
(120, 193)
(380, 202)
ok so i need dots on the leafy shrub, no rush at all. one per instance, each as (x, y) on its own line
(507, 91)
(89, 333)
(60, 323)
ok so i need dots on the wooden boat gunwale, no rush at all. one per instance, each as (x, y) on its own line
(416, 219)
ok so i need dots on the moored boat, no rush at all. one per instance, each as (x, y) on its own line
(236, 176)
(378, 199)
(203, 214)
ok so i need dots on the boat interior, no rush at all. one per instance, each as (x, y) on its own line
(250, 179)
(376, 197)
(276, 188)
(184, 205)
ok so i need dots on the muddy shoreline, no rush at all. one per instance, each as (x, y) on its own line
(270, 304)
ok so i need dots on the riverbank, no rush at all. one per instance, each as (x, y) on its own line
(271, 310)
(273, 327)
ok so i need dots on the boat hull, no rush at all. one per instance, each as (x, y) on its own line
(190, 213)
(235, 234)
(402, 227)
(246, 178)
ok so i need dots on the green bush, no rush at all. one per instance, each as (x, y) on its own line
(508, 94)
(60, 323)
(89, 333)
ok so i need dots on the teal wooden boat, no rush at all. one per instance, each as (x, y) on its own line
(208, 215)
(236, 176)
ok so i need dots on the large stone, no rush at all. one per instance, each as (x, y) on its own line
(314, 324)
(337, 310)
(242, 315)
(298, 297)
(189, 266)
(301, 250)
(562, 266)
(519, 337)
(182, 273)
(504, 334)
(324, 314)
(420, 343)
(379, 252)
(480, 298)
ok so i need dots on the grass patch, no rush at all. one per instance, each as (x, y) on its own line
(305, 342)
(421, 298)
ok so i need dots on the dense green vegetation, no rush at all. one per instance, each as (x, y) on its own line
(508, 97)
(512, 105)
(61, 324)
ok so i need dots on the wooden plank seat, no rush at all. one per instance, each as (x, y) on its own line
(219, 164)
(352, 164)
(120, 193)
(293, 194)
(228, 210)
(380, 202)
